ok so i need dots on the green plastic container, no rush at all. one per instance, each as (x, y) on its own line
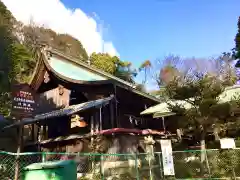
(52, 170)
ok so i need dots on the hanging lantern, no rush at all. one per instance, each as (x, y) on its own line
(77, 121)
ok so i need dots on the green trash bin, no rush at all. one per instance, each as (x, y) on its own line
(52, 170)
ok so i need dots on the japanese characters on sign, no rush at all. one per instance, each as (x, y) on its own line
(23, 102)
(167, 158)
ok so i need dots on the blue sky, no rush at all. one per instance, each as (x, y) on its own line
(151, 29)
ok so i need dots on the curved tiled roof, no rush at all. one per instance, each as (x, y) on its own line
(72, 70)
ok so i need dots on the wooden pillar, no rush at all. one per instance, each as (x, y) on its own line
(41, 133)
(44, 131)
(112, 114)
(96, 121)
(33, 132)
(116, 106)
(92, 125)
(38, 137)
(100, 118)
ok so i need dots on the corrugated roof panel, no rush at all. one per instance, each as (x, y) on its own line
(63, 112)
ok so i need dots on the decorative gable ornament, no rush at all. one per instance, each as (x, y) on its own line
(77, 121)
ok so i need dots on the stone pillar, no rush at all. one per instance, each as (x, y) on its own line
(149, 142)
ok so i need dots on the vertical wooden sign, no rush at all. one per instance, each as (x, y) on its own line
(23, 101)
(23, 106)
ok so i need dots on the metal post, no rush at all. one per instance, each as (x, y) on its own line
(136, 166)
(234, 174)
(150, 168)
(43, 157)
(161, 167)
(101, 167)
(233, 170)
(209, 171)
(92, 132)
(17, 164)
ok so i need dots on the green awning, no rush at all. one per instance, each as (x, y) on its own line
(162, 109)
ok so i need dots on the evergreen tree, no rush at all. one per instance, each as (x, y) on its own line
(237, 41)
(14, 60)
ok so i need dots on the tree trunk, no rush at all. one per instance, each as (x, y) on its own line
(204, 161)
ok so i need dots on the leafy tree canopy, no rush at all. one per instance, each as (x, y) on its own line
(65, 43)
(201, 87)
(6, 61)
(15, 59)
(145, 67)
(113, 65)
(104, 62)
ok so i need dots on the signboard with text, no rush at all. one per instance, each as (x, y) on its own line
(227, 143)
(23, 101)
(167, 157)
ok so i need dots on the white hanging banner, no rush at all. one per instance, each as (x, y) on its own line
(167, 158)
(227, 143)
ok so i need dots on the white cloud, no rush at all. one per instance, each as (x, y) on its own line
(55, 15)
(109, 48)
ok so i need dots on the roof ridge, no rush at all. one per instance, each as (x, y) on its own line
(74, 60)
